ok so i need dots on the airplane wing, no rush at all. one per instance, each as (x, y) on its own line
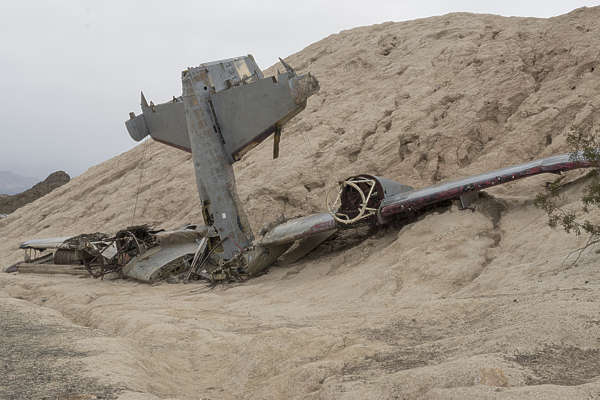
(377, 199)
(365, 195)
(43, 244)
(462, 188)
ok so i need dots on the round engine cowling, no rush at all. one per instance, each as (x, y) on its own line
(359, 197)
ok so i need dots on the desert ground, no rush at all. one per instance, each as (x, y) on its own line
(457, 304)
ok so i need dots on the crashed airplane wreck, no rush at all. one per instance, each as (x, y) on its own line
(227, 108)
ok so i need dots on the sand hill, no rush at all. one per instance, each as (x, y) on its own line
(457, 305)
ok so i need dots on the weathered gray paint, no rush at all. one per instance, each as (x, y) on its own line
(224, 74)
(226, 109)
(304, 246)
(248, 114)
(299, 228)
(311, 230)
(159, 260)
(214, 173)
(259, 258)
(389, 186)
(42, 244)
(166, 123)
(136, 126)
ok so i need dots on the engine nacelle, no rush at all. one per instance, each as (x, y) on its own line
(359, 197)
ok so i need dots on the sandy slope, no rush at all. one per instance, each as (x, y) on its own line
(455, 305)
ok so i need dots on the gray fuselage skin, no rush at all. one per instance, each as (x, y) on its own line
(229, 107)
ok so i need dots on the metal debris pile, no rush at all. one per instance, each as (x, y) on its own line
(138, 252)
(102, 254)
(226, 108)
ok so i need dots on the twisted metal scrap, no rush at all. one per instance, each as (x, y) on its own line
(128, 243)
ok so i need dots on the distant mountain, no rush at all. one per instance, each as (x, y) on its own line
(56, 179)
(11, 183)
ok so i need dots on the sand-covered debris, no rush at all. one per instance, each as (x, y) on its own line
(456, 305)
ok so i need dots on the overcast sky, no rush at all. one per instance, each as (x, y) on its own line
(71, 70)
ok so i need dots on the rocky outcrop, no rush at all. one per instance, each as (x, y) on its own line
(9, 203)
(12, 183)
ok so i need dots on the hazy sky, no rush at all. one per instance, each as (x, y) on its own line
(71, 70)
